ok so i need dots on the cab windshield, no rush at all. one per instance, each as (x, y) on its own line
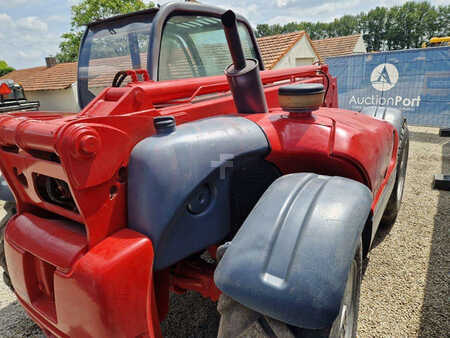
(112, 47)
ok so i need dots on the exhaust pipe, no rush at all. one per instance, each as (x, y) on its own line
(243, 74)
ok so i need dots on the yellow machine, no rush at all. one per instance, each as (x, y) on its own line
(437, 42)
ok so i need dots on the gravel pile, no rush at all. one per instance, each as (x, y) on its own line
(405, 286)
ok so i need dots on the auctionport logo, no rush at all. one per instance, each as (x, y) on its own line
(384, 77)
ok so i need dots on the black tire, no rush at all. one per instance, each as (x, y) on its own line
(395, 200)
(238, 321)
(10, 208)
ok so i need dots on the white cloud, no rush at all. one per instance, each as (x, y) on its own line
(248, 12)
(56, 19)
(281, 19)
(29, 23)
(17, 3)
(283, 3)
(13, 3)
(32, 23)
(315, 11)
(29, 55)
(27, 40)
(5, 21)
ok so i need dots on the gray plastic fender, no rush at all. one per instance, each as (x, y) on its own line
(291, 257)
(392, 115)
(5, 192)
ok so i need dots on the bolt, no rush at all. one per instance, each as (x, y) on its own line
(89, 144)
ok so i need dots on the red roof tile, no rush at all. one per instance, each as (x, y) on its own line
(343, 45)
(60, 76)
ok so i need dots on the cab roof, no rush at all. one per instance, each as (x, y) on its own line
(185, 7)
(150, 11)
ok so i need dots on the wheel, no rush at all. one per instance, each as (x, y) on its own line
(238, 321)
(395, 200)
(10, 209)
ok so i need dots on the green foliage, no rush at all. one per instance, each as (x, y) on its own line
(68, 48)
(88, 11)
(92, 10)
(398, 27)
(4, 68)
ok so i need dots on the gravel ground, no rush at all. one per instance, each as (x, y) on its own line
(405, 287)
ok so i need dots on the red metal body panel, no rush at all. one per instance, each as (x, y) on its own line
(95, 278)
(60, 242)
(105, 293)
(330, 142)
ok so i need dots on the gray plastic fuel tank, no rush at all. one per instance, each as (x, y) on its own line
(179, 183)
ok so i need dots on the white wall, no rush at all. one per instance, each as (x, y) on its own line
(360, 46)
(302, 51)
(63, 100)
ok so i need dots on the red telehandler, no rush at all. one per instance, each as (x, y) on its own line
(250, 187)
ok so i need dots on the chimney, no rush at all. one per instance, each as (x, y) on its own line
(50, 61)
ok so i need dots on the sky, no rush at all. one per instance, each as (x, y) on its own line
(30, 30)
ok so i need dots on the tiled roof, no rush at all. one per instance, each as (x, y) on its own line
(343, 45)
(60, 76)
(274, 47)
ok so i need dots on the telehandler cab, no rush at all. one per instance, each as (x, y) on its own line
(250, 187)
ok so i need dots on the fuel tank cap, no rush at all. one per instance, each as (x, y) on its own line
(302, 97)
(164, 124)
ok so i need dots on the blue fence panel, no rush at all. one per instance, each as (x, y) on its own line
(417, 81)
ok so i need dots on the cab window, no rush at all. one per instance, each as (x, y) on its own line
(193, 46)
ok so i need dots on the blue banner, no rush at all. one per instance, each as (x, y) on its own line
(417, 81)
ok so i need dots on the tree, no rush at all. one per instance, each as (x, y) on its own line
(4, 68)
(398, 27)
(374, 28)
(346, 25)
(88, 11)
(68, 48)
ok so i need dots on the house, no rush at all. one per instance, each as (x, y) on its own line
(53, 85)
(287, 50)
(340, 46)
